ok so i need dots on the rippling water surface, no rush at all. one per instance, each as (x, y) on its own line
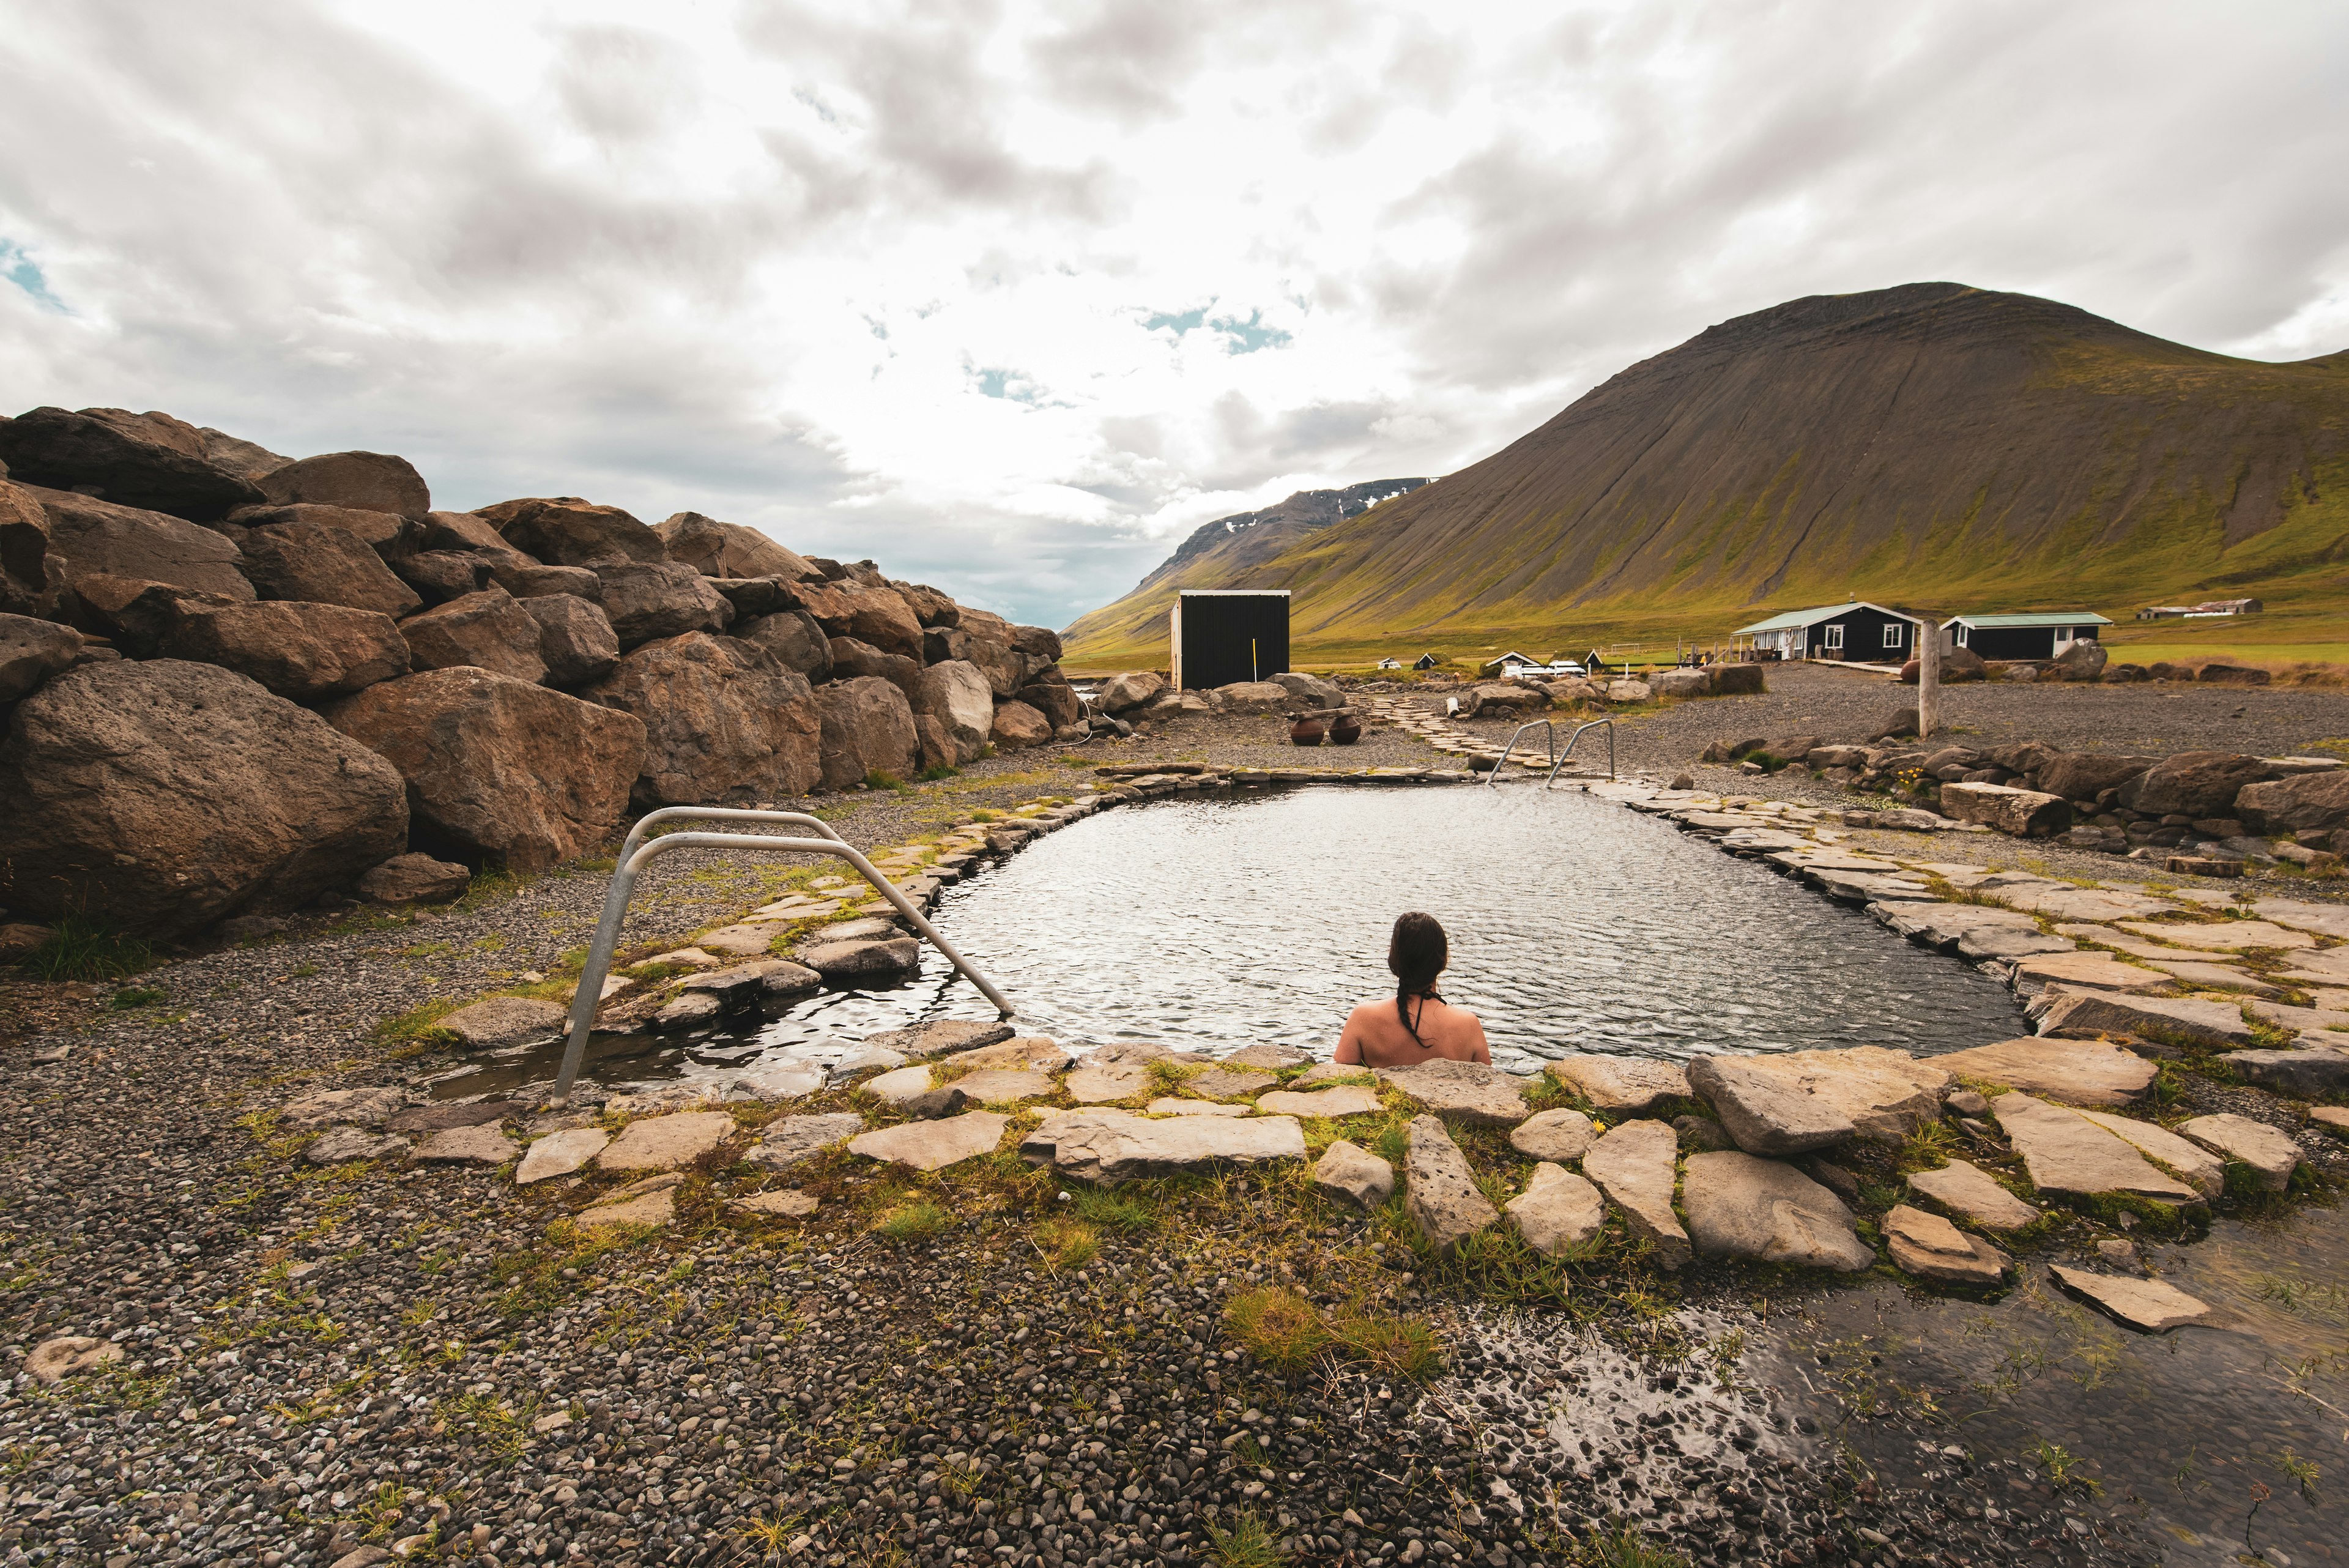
(1576, 924)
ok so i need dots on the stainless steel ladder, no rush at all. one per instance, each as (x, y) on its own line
(635, 854)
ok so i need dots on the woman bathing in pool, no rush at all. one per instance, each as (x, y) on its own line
(1418, 1025)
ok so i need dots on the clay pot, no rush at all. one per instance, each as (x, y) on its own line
(1346, 731)
(1305, 732)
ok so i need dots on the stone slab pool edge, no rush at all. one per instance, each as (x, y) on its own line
(1766, 1161)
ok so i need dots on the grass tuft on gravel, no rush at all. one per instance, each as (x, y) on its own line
(916, 1221)
(1248, 1543)
(1278, 1327)
(81, 947)
(1627, 1548)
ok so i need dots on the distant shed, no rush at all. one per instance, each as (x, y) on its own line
(1221, 634)
(2039, 635)
(1858, 631)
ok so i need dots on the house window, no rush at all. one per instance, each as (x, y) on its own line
(1892, 634)
(1962, 630)
(1835, 637)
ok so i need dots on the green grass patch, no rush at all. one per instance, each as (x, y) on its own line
(83, 947)
(1248, 1543)
(1278, 1327)
(1066, 1243)
(916, 1221)
(131, 996)
(1114, 1210)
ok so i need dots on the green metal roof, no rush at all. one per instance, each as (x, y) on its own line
(2036, 617)
(1794, 619)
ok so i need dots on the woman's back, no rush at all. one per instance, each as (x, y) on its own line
(1376, 1036)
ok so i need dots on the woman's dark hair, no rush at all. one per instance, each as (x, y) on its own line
(1417, 953)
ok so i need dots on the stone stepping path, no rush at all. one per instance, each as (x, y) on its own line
(2150, 1306)
(2064, 1153)
(932, 1146)
(1970, 1192)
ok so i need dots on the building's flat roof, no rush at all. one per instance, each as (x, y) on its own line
(1233, 593)
(2036, 617)
(1793, 618)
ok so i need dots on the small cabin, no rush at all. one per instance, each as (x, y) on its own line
(1424, 661)
(2203, 611)
(1858, 632)
(1509, 664)
(1224, 635)
(2039, 635)
(1390, 664)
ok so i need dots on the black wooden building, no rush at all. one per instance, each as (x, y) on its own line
(1221, 634)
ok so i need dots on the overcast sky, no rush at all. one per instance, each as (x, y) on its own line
(1011, 297)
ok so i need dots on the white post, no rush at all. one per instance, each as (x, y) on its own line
(1928, 677)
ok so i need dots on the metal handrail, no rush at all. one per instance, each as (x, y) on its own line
(585, 1000)
(1536, 725)
(1569, 752)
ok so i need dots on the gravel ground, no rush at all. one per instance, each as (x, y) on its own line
(318, 1357)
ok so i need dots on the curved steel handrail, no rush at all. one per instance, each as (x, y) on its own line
(633, 857)
(1569, 752)
(1536, 725)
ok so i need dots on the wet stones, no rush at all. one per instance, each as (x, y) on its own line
(1558, 1212)
(2066, 1154)
(1465, 1092)
(1025, 1053)
(1092, 1085)
(2316, 1071)
(665, 1143)
(2075, 1072)
(789, 1140)
(694, 1010)
(1634, 1164)
(504, 1020)
(888, 959)
(1108, 1147)
(2158, 1143)
(1349, 1171)
(1619, 1086)
(932, 1144)
(1967, 1191)
(560, 1154)
(2019, 813)
(2270, 1156)
(1742, 1207)
(1440, 1192)
(1930, 1247)
(1558, 1136)
(2150, 1306)
(1345, 1101)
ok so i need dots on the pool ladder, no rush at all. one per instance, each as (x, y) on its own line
(1558, 759)
(634, 853)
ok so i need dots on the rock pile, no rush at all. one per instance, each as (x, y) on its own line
(237, 682)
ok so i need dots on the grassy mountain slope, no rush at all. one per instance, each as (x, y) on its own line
(1931, 445)
(1235, 552)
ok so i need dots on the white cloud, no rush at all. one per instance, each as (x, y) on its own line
(1008, 295)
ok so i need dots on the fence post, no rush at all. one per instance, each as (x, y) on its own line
(1929, 678)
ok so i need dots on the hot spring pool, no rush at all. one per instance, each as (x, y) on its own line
(1576, 925)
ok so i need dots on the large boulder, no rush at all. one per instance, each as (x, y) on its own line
(1040, 646)
(364, 480)
(1123, 692)
(2081, 661)
(1682, 683)
(956, 694)
(1018, 725)
(2020, 813)
(1635, 1164)
(660, 598)
(880, 617)
(1788, 1101)
(850, 658)
(498, 770)
(467, 532)
(725, 722)
(163, 796)
(1052, 696)
(930, 606)
(2192, 784)
(575, 640)
(297, 650)
(794, 637)
(569, 532)
(941, 643)
(314, 564)
(867, 728)
(717, 549)
(139, 615)
(526, 579)
(31, 651)
(386, 534)
(987, 643)
(32, 573)
(489, 630)
(440, 575)
(1737, 679)
(151, 462)
(98, 537)
(2082, 775)
(2300, 803)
